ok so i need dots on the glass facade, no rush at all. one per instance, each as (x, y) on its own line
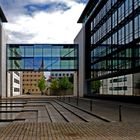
(112, 39)
(114, 32)
(42, 57)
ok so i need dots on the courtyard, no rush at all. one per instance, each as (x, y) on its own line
(53, 118)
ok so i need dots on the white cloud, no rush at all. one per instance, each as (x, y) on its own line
(43, 27)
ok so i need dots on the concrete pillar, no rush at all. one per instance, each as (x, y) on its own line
(81, 68)
(2, 63)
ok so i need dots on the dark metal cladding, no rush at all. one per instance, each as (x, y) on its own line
(2, 16)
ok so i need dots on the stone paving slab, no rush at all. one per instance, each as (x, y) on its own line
(70, 131)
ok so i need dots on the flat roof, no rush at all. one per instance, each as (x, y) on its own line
(2, 16)
(87, 10)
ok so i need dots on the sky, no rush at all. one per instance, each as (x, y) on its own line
(42, 21)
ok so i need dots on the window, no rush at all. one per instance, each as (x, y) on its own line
(137, 26)
(136, 3)
(16, 81)
(113, 2)
(114, 19)
(128, 7)
(118, 88)
(16, 89)
(71, 74)
(121, 13)
(122, 79)
(17, 73)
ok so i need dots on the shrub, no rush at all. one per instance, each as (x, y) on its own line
(42, 84)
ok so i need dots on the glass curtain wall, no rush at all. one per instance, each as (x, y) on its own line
(115, 51)
(42, 57)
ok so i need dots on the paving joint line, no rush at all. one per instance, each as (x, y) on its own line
(60, 113)
(74, 113)
(95, 115)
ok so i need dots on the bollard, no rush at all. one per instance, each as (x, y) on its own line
(120, 113)
(90, 105)
(69, 99)
(77, 101)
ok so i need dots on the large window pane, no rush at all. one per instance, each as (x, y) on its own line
(38, 51)
(55, 52)
(65, 64)
(47, 63)
(28, 63)
(28, 51)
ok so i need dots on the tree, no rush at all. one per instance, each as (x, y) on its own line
(42, 84)
(64, 83)
(95, 86)
(54, 84)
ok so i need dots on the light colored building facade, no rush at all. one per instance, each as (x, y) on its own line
(2, 56)
(30, 82)
(121, 85)
(60, 74)
(79, 76)
(14, 84)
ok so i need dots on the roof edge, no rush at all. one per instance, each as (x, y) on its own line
(2, 15)
(87, 9)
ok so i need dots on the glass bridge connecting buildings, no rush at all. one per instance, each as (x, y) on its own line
(42, 57)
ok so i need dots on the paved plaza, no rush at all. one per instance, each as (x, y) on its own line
(70, 131)
(42, 118)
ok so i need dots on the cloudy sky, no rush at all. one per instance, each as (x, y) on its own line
(42, 21)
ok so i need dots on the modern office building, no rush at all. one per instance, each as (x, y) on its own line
(109, 42)
(2, 56)
(14, 84)
(30, 82)
(9, 81)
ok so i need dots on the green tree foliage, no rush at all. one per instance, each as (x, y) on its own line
(64, 83)
(61, 84)
(95, 85)
(54, 84)
(42, 84)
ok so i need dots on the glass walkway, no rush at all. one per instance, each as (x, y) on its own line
(42, 57)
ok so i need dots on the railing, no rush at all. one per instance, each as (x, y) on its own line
(114, 111)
